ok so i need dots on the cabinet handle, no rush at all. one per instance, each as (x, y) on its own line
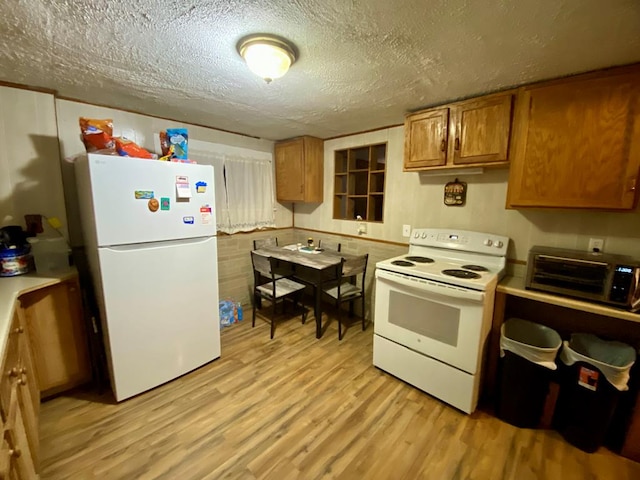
(18, 330)
(457, 144)
(23, 371)
(13, 372)
(22, 381)
(15, 452)
(72, 289)
(632, 184)
(443, 145)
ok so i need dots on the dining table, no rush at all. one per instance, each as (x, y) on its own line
(312, 266)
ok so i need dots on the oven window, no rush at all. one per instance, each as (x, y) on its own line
(425, 317)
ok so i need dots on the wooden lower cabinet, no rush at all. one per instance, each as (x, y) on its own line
(19, 451)
(54, 318)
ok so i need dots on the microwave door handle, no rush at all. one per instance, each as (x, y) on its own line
(571, 260)
(429, 287)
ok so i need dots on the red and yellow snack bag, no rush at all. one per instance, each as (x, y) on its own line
(128, 148)
(97, 135)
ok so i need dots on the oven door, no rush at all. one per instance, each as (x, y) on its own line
(436, 319)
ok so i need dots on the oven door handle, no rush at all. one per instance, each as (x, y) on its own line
(431, 287)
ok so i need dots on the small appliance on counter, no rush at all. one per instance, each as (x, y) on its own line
(599, 277)
(15, 252)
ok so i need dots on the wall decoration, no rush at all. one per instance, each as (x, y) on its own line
(455, 193)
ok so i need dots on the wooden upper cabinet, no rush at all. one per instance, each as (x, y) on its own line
(480, 130)
(299, 170)
(425, 141)
(577, 143)
(475, 132)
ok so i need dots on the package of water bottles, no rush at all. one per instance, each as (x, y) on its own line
(230, 313)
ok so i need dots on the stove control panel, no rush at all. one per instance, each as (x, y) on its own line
(461, 240)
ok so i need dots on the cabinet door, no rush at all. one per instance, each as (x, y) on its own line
(27, 364)
(313, 169)
(19, 413)
(290, 171)
(28, 393)
(480, 130)
(577, 144)
(21, 462)
(57, 335)
(425, 139)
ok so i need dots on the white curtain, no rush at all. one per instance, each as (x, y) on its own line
(217, 161)
(250, 196)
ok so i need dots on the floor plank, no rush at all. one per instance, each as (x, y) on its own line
(298, 408)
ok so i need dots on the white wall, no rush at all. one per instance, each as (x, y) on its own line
(30, 180)
(143, 130)
(417, 199)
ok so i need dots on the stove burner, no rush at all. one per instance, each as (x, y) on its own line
(461, 274)
(475, 268)
(402, 263)
(419, 259)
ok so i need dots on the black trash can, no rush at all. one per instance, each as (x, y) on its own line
(593, 373)
(528, 352)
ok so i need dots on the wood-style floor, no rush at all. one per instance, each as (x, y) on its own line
(298, 408)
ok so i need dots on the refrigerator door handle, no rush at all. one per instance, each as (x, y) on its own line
(153, 245)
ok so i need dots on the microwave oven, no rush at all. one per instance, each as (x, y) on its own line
(599, 277)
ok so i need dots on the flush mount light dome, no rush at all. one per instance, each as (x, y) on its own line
(267, 56)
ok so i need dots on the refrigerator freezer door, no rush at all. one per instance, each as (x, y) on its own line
(140, 201)
(160, 311)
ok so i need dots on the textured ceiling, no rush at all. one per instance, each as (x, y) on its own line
(362, 65)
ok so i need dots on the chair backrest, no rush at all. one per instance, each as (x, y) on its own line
(355, 266)
(271, 267)
(265, 242)
(328, 245)
(261, 265)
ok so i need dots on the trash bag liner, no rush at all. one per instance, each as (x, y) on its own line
(532, 341)
(613, 359)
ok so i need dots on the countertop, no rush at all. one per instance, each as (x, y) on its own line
(515, 286)
(12, 287)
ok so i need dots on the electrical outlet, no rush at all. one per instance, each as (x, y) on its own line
(406, 230)
(596, 245)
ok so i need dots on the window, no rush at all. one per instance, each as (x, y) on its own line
(359, 182)
(244, 182)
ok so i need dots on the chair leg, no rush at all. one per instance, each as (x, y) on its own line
(339, 322)
(273, 318)
(255, 307)
(298, 298)
(364, 325)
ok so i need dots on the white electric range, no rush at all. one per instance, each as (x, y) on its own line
(433, 311)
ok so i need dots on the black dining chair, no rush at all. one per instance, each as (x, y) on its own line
(349, 287)
(265, 242)
(328, 245)
(278, 289)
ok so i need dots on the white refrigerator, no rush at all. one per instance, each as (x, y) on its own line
(149, 229)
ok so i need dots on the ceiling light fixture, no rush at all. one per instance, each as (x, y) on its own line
(267, 56)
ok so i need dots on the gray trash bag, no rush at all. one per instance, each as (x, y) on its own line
(613, 359)
(529, 340)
